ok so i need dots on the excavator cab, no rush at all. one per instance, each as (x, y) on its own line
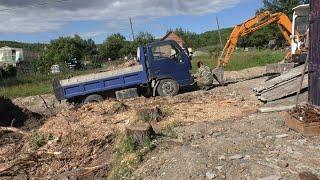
(299, 32)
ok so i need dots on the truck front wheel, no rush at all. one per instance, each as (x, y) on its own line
(168, 87)
(93, 99)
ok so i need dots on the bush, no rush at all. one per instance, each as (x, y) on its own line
(8, 72)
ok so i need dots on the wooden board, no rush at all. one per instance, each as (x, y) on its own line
(278, 85)
(280, 79)
(275, 109)
(279, 68)
(306, 129)
(284, 91)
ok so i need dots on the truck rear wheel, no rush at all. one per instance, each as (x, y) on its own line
(93, 99)
(168, 87)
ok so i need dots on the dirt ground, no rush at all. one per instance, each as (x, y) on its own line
(214, 134)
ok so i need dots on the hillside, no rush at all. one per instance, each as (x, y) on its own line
(33, 47)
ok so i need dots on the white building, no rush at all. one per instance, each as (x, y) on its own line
(10, 55)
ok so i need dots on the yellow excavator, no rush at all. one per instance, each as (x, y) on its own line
(291, 31)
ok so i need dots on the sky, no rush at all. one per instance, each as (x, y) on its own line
(44, 20)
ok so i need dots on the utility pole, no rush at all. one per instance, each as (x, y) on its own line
(314, 65)
(218, 24)
(131, 29)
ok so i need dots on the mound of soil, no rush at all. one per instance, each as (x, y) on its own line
(12, 115)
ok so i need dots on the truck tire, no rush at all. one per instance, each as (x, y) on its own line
(93, 99)
(168, 87)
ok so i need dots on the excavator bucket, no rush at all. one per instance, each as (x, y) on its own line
(218, 74)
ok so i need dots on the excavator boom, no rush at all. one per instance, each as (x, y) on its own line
(251, 26)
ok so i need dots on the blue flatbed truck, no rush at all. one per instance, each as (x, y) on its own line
(161, 69)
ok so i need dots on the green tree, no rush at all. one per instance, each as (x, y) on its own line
(285, 6)
(130, 47)
(143, 38)
(90, 47)
(61, 50)
(112, 46)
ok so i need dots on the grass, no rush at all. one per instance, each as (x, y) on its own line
(144, 115)
(169, 129)
(156, 114)
(128, 157)
(37, 140)
(243, 60)
(31, 85)
(167, 111)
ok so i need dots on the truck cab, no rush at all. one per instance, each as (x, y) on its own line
(167, 60)
(161, 69)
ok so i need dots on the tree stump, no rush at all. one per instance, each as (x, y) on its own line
(140, 132)
(119, 107)
(156, 114)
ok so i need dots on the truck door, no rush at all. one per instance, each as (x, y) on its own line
(168, 60)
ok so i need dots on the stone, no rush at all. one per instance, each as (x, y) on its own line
(217, 134)
(210, 175)
(219, 168)
(289, 150)
(235, 157)
(283, 164)
(222, 157)
(282, 136)
(260, 136)
(273, 177)
(269, 137)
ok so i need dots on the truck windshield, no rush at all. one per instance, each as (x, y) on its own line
(301, 24)
(168, 51)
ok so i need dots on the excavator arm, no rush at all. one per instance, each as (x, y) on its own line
(251, 26)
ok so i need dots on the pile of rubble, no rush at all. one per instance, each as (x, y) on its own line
(76, 143)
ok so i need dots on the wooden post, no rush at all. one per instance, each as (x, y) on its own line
(131, 29)
(220, 38)
(314, 65)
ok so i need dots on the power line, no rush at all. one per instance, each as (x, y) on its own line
(33, 5)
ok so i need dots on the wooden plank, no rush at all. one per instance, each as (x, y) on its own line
(275, 109)
(284, 91)
(278, 85)
(279, 68)
(284, 77)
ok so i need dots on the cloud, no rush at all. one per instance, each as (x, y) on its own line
(36, 16)
(91, 34)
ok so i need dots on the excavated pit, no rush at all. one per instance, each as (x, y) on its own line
(12, 115)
